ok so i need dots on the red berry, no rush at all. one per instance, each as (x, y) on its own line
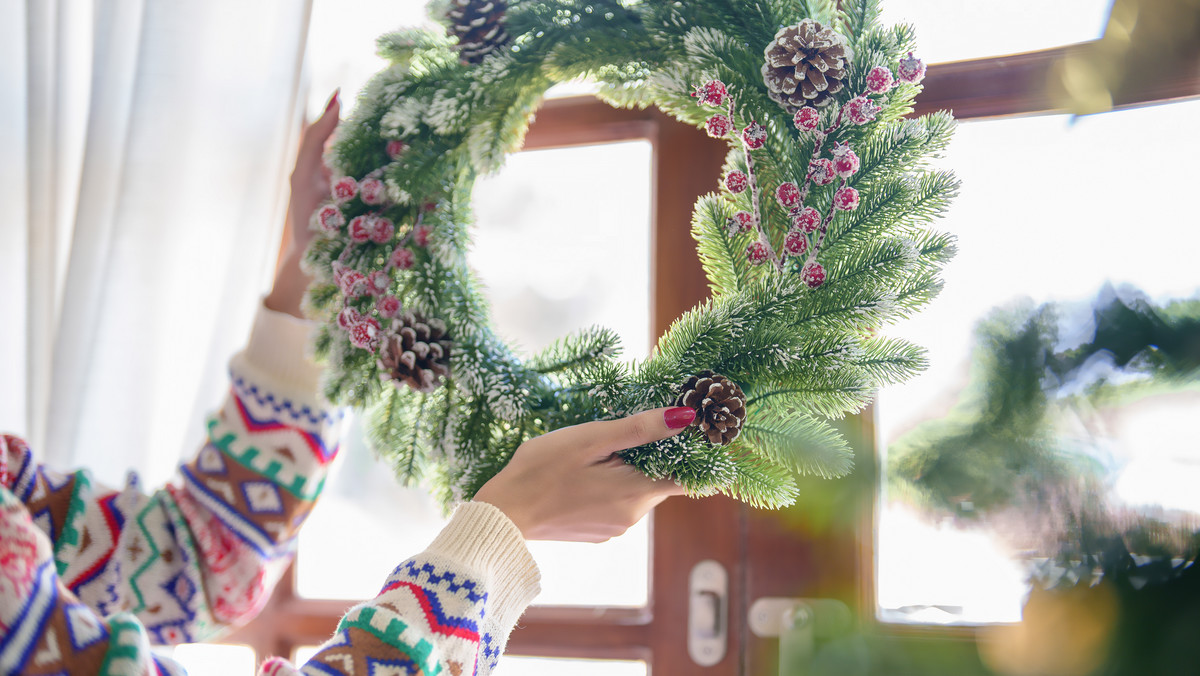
(344, 188)
(402, 258)
(395, 148)
(330, 218)
(879, 80)
(788, 195)
(371, 190)
(737, 181)
(365, 334)
(378, 283)
(757, 253)
(421, 234)
(348, 317)
(807, 119)
(388, 306)
(360, 228)
(795, 244)
(813, 275)
(821, 171)
(719, 126)
(861, 110)
(754, 136)
(354, 284)
(806, 219)
(712, 93)
(845, 199)
(744, 221)
(911, 69)
(845, 162)
(381, 230)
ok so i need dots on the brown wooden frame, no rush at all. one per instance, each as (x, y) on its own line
(684, 532)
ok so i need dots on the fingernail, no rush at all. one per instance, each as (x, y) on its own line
(679, 417)
(333, 100)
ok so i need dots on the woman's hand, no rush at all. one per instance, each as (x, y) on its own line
(310, 187)
(571, 485)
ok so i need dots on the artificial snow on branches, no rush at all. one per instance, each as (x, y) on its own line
(818, 236)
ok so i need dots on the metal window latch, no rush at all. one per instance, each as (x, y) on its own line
(798, 623)
(708, 610)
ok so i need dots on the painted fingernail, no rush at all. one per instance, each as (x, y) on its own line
(333, 100)
(679, 417)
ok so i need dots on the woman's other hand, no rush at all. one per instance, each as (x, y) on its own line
(310, 187)
(570, 484)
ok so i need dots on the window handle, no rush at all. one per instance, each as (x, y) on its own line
(708, 610)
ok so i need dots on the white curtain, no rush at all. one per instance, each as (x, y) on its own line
(143, 147)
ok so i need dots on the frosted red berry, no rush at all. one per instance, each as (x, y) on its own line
(330, 218)
(744, 220)
(737, 181)
(421, 234)
(354, 284)
(757, 253)
(821, 171)
(813, 274)
(754, 136)
(344, 188)
(788, 194)
(861, 110)
(382, 230)
(365, 334)
(396, 148)
(371, 191)
(378, 283)
(718, 126)
(845, 161)
(911, 69)
(807, 119)
(360, 228)
(807, 219)
(795, 244)
(845, 199)
(880, 80)
(712, 93)
(388, 306)
(402, 258)
(348, 317)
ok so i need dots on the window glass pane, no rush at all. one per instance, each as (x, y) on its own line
(511, 665)
(212, 659)
(562, 243)
(952, 30)
(1051, 209)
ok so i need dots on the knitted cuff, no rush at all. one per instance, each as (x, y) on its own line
(279, 349)
(480, 537)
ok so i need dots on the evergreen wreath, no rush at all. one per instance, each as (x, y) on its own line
(819, 237)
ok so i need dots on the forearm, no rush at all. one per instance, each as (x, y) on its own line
(291, 283)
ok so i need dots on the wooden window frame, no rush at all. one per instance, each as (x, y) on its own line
(687, 164)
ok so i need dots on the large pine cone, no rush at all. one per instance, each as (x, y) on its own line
(806, 65)
(479, 27)
(416, 352)
(720, 406)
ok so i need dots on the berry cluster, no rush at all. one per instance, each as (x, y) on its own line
(808, 226)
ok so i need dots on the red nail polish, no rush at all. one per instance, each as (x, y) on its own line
(332, 100)
(679, 417)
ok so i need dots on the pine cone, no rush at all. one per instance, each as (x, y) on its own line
(720, 406)
(806, 65)
(416, 352)
(479, 27)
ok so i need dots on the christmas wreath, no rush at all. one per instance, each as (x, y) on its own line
(818, 237)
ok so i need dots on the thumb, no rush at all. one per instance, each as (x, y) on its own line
(312, 144)
(605, 437)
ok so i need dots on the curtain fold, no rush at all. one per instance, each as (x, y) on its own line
(146, 192)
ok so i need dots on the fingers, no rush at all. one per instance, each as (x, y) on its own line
(312, 144)
(603, 438)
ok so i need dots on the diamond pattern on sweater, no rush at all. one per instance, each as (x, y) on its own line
(262, 497)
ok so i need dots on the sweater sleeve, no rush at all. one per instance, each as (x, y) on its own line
(448, 610)
(202, 553)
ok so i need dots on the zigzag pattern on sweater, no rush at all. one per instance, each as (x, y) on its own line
(283, 406)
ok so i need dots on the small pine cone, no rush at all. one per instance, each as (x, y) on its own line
(479, 27)
(719, 403)
(415, 352)
(806, 65)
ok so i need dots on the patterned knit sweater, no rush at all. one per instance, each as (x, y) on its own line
(91, 577)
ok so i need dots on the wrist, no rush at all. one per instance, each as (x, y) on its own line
(291, 283)
(516, 515)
